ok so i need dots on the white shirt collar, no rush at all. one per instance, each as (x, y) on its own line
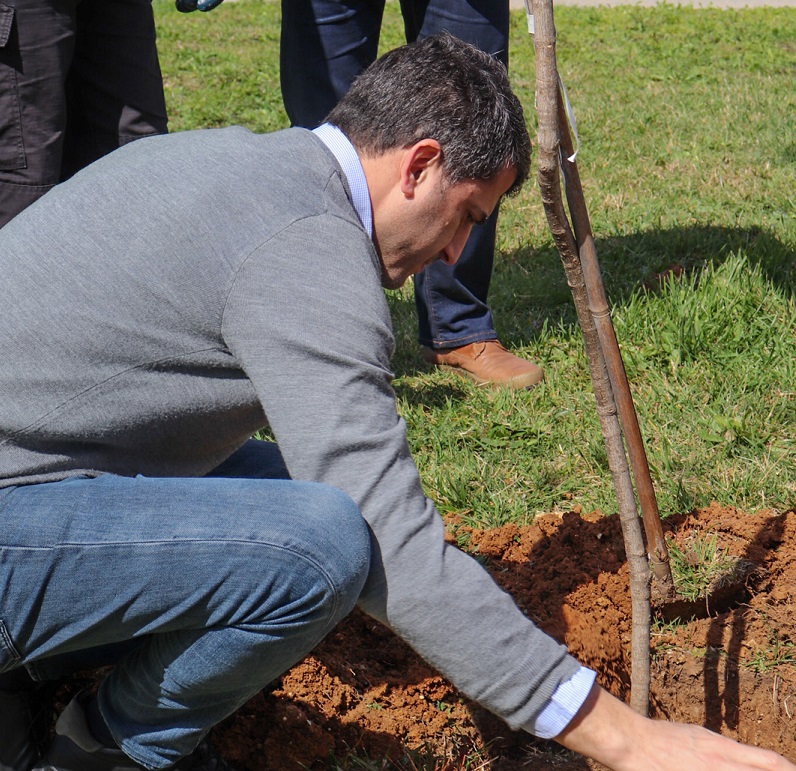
(347, 157)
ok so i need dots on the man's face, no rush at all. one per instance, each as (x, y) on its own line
(434, 222)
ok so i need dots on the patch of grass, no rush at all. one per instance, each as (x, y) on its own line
(662, 634)
(777, 653)
(221, 68)
(700, 566)
(688, 159)
(778, 650)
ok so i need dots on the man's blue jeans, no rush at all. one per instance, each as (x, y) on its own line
(201, 591)
(325, 44)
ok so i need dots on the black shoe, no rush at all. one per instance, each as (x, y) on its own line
(75, 749)
(24, 722)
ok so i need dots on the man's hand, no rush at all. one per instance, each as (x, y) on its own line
(186, 6)
(608, 731)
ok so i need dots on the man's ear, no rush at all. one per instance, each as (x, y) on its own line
(416, 160)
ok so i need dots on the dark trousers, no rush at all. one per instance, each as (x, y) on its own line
(325, 45)
(78, 78)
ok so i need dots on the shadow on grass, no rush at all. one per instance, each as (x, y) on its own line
(529, 289)
(436, 396)
(652, 252)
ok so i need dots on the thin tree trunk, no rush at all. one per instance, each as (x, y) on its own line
(547, 99)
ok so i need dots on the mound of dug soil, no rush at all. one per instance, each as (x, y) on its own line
(364, 691)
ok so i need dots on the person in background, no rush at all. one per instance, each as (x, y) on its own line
(78, 78)
(325, 44)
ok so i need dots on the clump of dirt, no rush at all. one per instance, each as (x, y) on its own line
(364, 691)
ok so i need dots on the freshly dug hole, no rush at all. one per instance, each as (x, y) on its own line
(363, 691)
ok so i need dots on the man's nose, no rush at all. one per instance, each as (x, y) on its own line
(454, 249)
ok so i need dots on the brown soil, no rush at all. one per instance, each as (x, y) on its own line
(363, 691)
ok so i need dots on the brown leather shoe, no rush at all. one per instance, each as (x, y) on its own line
(488, 363)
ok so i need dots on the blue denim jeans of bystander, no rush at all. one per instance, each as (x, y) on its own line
(325, 44)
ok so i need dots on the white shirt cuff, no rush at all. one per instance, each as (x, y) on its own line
(567, 699)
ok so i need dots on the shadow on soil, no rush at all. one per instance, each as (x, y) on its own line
(573, 584)
(364, 691)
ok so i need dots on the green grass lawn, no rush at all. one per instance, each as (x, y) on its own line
(688, 157)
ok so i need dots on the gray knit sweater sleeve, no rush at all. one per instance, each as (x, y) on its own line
(333, 412)
(161, 305)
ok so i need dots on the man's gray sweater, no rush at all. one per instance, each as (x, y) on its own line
(162, 305)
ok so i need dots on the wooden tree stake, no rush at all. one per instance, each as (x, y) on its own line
(611, 388)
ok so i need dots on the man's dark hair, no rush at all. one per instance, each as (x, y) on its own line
(439, 88)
